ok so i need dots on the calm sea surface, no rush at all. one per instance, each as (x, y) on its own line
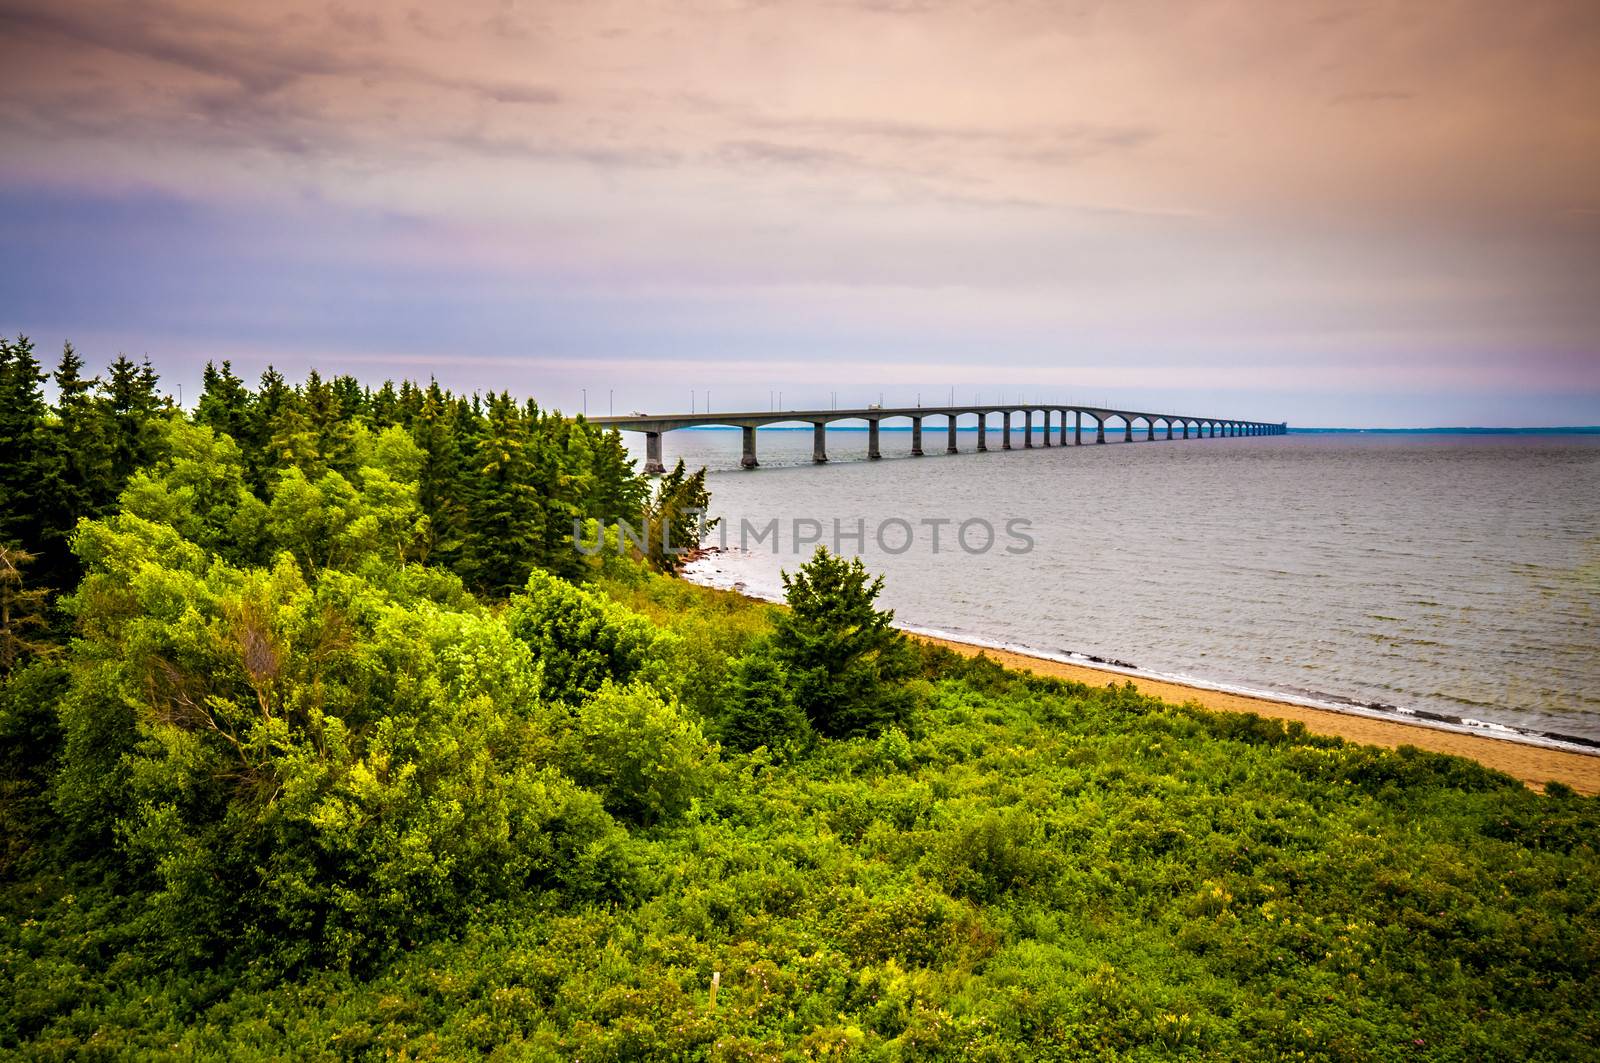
(1445, 573)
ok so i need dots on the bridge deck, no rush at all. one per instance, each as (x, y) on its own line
(653, 425)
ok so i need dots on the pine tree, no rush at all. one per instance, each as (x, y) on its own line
(675, 518)
(27, 462)
(506, 516)
(259, 460)
(83, 485)
(559, 478)
(130, 390)
(351, 395)
(22, 612)
(292, 439)
(330, 424)
(758, 706)
(224, 404)
(384, 405)
(847, 662)
(439, 481)
(619, 491)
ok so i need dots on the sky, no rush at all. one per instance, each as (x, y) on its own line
(1327, 213)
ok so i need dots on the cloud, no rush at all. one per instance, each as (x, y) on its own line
(1327, 185)
(789, 155)
(241, 73)
(1371, 96)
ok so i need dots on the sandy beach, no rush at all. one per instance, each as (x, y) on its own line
(1532, 764)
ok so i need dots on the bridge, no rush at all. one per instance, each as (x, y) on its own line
(653, 426)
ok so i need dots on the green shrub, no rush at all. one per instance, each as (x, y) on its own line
(580, 640)
(646, 759)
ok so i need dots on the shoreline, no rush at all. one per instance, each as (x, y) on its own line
(1528, 758)
(1533, 764)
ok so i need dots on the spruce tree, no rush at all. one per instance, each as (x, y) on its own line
(330, 424)
(260, 462)
(619, 491)
(758, 707)
(675, 518)
(130, 391)
(27, 465)
(506, 515)
(83, 486)
(293, 440)
(847, 663)
(224, 404)
(384, 407)
(440, 480)
(23, 619)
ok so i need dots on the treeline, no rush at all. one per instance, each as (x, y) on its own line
(287, 736)
(499, 483)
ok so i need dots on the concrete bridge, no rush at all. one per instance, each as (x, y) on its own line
(653, 426)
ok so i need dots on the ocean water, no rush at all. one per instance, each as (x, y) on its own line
(1447, 574)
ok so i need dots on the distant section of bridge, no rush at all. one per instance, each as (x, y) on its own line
(654, 425)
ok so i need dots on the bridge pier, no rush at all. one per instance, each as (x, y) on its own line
(654, 427)
(652, 454)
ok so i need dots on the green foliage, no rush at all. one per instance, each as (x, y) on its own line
(580, 640)
(22, 611)
(675, 519)
(505, 512)
(313, 772)
(847, 663)
(295, 791)
(758, 707)
(30, 744)
(132, 405)
(646, 759)
(27, 460)
(198, 488)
